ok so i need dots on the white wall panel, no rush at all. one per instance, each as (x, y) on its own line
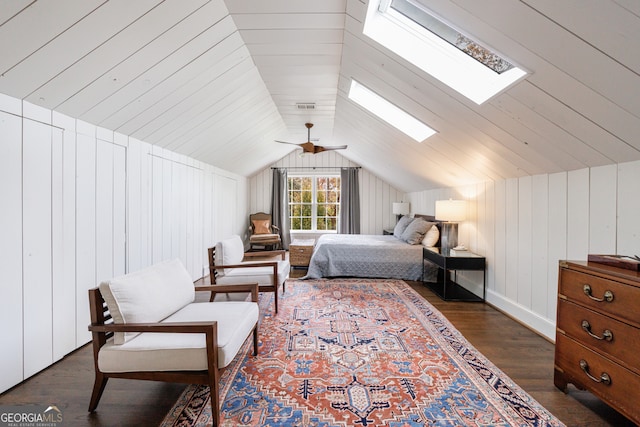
(36, 113)
(209, 238)
(500, 249)
(64, 296)
(119, 209)
(37, 247)
(511, 249)
(11, 354)
(557, 235)
(104, 210)
(134, 206)
(487, 246)
(628, 230)
(227, 208)
(157, 209)
(578, 214)
(194, 221)
(11, 105)
(167, 177)
(146, 200)
(603, 209)
(85, 231)
(176, 212)
(539, 243)
(524, 266)
(63, 286)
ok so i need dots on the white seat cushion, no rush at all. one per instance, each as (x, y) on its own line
(260, 275)
(171, 352)
(147, 295)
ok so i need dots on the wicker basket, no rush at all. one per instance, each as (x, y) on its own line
(300, 252)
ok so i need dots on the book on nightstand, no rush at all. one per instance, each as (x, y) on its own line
(459, 252)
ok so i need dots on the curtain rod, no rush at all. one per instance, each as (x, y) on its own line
(319, 167)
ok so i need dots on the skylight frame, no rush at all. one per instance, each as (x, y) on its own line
(389, 112)
(436, 56)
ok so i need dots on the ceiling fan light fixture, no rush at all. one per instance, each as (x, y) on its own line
(310, 147)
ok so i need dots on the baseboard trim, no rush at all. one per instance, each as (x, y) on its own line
(538, 324)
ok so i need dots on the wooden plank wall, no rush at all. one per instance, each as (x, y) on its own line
(82, 204)
(524, 226)
(376, 195)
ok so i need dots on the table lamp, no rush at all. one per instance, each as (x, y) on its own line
(400, 208)
(450, 212)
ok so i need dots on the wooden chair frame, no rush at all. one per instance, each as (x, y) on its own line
(102, 328)
(273, 287)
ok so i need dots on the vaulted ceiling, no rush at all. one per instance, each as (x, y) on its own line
(220, 81)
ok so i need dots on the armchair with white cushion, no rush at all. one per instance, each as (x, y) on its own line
(146, 325)
(230, 265)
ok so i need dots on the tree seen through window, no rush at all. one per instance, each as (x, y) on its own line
(314, 202)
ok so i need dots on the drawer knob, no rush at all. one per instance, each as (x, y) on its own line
(607, 335)
(608, 295)
(604, 377)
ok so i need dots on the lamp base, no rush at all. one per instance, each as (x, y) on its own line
(448, 237)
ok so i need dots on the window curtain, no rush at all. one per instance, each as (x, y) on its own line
(349, 201)
(280, 205)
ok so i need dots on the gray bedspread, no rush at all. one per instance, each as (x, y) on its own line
(363, 255)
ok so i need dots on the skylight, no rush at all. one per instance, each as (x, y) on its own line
(410, 30)
(389, 112)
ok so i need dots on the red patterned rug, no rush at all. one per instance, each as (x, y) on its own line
(360, 352)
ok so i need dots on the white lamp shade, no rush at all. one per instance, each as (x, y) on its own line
(401, 208)
(451, 210)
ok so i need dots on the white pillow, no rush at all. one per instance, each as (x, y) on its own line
(148, 295)
(432, 236)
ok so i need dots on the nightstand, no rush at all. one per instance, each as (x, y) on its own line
(387, 231)
(445, 287)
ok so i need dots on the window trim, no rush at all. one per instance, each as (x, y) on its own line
(314, 204)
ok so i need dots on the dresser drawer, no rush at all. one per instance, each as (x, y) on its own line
(584, 289)
(621, 392)
(621, 342)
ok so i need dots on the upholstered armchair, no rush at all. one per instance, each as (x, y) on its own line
(147, 326)
(230, 265)
(263, 233)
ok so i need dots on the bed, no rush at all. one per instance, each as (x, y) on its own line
(367, 256)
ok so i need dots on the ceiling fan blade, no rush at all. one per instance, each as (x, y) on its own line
(285, 142)
(320, 148)
(310, 147)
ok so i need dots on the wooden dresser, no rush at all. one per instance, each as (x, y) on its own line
(598, 333)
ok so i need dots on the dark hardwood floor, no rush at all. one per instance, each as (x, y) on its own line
(520, 353)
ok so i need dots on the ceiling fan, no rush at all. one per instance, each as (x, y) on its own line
(310, 147)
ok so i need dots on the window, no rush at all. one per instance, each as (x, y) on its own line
(413, 32)
(389, 112)
(314, 202)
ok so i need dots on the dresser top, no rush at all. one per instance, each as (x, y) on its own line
(603, 269)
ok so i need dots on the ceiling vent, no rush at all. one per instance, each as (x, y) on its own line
(306, 106)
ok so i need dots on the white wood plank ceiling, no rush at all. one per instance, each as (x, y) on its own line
(219, 81)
